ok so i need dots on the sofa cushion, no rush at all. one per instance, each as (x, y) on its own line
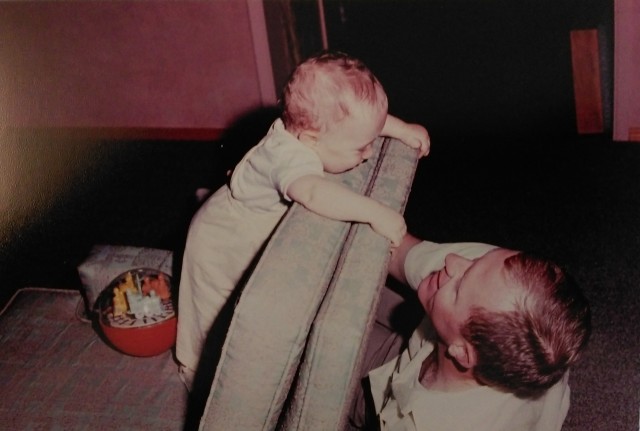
(280, 302)
(330, 370)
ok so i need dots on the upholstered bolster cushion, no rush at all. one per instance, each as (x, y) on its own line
(273, 317)
(330, 370)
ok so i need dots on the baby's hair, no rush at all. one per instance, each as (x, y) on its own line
(529, 349)
(322, 90)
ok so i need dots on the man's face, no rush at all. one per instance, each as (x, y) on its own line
(449, 295)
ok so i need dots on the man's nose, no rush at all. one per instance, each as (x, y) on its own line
(455, 264)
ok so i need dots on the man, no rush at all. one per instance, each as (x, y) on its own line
(501, 330)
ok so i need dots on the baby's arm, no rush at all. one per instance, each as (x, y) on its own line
(414, 135)
(332, 200)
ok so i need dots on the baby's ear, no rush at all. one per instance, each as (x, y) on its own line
(463, 353)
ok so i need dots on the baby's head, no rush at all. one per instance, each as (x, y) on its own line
(527, 350)
(333, 103)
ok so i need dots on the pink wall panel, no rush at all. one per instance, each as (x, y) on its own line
(626, 99)
(126, 64)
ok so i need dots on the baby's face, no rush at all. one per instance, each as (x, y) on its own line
(350, 142)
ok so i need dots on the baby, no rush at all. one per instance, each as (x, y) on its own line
(333, 110)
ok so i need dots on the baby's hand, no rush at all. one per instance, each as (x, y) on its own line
(389, 224)
(416, 136)
(413, 135)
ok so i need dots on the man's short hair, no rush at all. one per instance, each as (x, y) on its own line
(527, 350)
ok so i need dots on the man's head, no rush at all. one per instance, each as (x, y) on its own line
(528, 349)
(333, 103)
(517, 321)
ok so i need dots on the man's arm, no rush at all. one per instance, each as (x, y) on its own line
(332, 200)
(399, 255)
(414, 259)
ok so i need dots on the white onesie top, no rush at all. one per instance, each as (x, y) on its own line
(261, 179)
(230, 228)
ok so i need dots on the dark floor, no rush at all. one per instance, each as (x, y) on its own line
(576, 201)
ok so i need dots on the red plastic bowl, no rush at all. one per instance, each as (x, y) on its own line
(143, 321)
(143, 341)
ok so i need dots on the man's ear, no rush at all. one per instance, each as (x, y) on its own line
(463, 353)
(308, 137)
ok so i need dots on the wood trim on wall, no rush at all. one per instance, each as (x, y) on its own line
(126, 133)
(257, 21)
(626, 81)
(585, 61)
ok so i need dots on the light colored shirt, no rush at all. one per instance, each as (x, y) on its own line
(230, 228)
(261, 180)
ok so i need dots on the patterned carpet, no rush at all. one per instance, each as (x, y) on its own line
(57, 373)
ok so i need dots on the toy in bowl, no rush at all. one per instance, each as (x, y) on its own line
(136, 314)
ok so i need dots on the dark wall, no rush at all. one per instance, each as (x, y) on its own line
(74, 191)
(464, 67)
